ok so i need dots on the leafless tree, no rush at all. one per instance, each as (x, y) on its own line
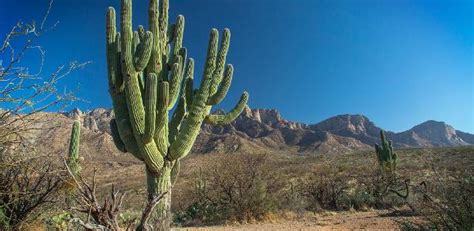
(27, 179)
(104, 214)
(25, 90)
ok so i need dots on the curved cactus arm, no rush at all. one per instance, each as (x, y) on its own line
(152, 156)
(210, 66)
(188, 84)
(230, 116)
(150, 107)
(116, 86)
(116, 136)
(175, 83)
(220, 61)
(378, 151)
(135, 42)
(224, 87)
(143, 52)
(141, 33)
(176, 119)
(161, 133)
(154, 64)
(175, 172)
(191, 125)
(177, 33)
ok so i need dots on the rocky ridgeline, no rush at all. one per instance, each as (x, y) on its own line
(265, 130)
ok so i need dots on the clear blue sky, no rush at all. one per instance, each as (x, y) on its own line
(399, 62)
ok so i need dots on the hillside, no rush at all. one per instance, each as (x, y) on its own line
(258, 130)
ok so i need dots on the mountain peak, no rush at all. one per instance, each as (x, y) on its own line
(268, 129)
(433, 133)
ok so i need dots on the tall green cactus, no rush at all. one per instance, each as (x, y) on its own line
(385, 155)
(73, 154)
(149, 76)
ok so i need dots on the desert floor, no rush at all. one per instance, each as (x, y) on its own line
(370, 220)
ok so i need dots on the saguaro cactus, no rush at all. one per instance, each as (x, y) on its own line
(385, 155)
(73, 154)
(149, 73)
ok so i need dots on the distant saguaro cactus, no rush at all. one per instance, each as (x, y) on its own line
(386, 157)
(73, 154)
(149, 73)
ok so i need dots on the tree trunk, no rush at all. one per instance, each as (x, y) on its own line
(161, 217)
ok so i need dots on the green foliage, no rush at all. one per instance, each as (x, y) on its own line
(385, 155)
(59, 221)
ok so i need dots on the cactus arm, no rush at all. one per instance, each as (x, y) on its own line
(224, 87)
(188, 85)
(143, 52)
(175, 36)
(116, 136)
(178, 34)
(175, 83)
(161, 133)
(163, 23)
(135, 42)
(150, 107)
(141, 32)
(111, 34)
(191, 125)
(230, 116)
(151, 154)
(116, 84)
(127, 39)
(175, 172)
(154, 64)
(177, 118)
(220, 62)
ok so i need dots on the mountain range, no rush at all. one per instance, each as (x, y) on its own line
(266, 130)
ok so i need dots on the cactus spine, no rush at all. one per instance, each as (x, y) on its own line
(73, 154)
(149, 75)
(386, 157)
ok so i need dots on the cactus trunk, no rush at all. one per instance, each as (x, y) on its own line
(151, 76)
(157, 185)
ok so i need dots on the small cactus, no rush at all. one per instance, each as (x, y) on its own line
(385, 155)
(73, 154)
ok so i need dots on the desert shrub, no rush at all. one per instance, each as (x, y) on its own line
(240, 187)
(26, 187)
(331, 188)
(326, 190)
(292, 198)
(446, 202)
(379, 191)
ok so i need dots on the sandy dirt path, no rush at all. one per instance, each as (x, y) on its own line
(371, 220)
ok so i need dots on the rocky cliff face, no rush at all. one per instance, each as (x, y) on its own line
(265, 130)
